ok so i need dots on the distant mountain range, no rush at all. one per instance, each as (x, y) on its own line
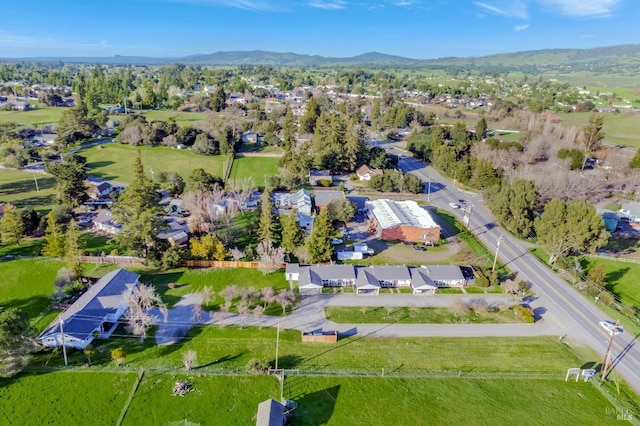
(601, 58)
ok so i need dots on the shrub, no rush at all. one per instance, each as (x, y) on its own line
(257, 366)
(118, 355)
(524, 313)
(324, 182)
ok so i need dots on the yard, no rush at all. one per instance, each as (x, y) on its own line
(35, 117)
(115, 161)
(409, 315)
(622, 128)
(181, 118)
(621, 278)
(19, 188)
(256, 167)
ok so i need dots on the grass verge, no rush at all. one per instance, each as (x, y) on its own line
(402, 315)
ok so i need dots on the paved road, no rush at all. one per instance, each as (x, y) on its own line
(556, 301)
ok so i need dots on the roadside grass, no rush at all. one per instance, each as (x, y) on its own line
(65, 398)
(214, 400)
(19, 188)
(182, 118)
(408, 315)
(257, 168)
(621, 278)
(622, 128)
(449, 290)
(34, 117)
(115, 161)
(614, 207)
(447, 401)
(475, 253)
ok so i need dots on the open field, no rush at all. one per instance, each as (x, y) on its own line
(64, 398)
(115, 161)
(35, 117)
(19, 188)
(379, 315)
(447, 401)
(182, 118)
(622, 128)
(220, 400)
(621, 277)
(256, 167)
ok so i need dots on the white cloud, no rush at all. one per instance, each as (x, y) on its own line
(404, 3)
(330, 5)
(511, 9)
(257, 5)
(521, 27)
(583, 8)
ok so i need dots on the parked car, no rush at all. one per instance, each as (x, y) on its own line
(337, 241)
(611, 328)
(454, 205)
(419, 248)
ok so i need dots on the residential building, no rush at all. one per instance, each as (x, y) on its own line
(315, 176)
(95, 314)
(446, 275)
(104, 222)
(301, 201)
(364, 172)
(323, 198)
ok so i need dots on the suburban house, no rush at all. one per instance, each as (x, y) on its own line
(364, 172)
(402, 220)
(323, 198)
(95, 314)
(301, 201)
(104, 222)
(250, 137)
(101, 190)
(177, 231)
(369, 280)
(446, 275)
(271, 413)
(316, 176)
(174, 208)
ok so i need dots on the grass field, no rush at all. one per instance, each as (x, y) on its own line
(256, 167)
(622, 128)
(621, 277)
(215, 400)
(19, 188)
(35, 117)
(412, 401)
(115, 161)
(402, 315)
(61, 398)
(182, 118)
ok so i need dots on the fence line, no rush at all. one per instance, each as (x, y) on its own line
(120, 260)
(134, 389)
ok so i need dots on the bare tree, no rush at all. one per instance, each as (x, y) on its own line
(207, 294)
(197, 313)
(285, 298)
(229, 293)
(268, 296)
(510, 286)
(198, 204)
(389, 309)
(221, 316)
(258, 311)
(140, 300)
(243, 311)
(271, 258)
(364, 310)
(241, 190)
(249, 295)
(189, 359)
(460, 307)
(236, 253)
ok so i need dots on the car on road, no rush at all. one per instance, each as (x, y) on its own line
(454, 205)
(419, 248)
(610, 327)
(337, 241)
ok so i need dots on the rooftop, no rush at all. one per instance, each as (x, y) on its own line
(391, 214)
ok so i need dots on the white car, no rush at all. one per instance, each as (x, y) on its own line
(454, 205)
(337, 241)
(611, 328)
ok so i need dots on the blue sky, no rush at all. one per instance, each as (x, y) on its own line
(420, 29)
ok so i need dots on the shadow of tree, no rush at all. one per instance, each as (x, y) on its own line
(314, 408)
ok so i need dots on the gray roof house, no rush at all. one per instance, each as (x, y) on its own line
(94, 314)
(446, 275)
(301, 201)
(392, 276)
(309, 282)
(104, 222)
(270, 413)
(323, 198)
(335, 275)
(366, 282)
(421, 283)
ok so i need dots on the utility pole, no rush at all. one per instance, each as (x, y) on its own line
(36, 179)
(605, 361)
(64, 348)
(429, 191)
(495, 259)
(277, 344)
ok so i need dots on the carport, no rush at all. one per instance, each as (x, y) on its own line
(367, 283)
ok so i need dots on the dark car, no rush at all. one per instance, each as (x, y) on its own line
(419, 248)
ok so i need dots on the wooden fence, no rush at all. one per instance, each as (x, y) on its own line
(119, 260)
(223, 264)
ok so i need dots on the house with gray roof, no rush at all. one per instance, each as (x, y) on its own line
(421, 283)
(270, 413)
(392, 276)
(104, 222)
(366, 282)
(95, 314)
(446, 275)
(322, 198)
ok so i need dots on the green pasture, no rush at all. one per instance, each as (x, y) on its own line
(620, 129)
(621, 278)
(33, 118)
(115, 161)
(19, 188)
(256, 167)
(181, 118)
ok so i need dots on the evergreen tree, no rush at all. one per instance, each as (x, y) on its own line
(514, 205)
(288, 129)
(308, 120)
(292, 234)
(219, 100)
(481, 129)
(635, 161)
(12, 226)
(75, 125)
(74, 249)
(319, 241)
(138, 212)
(269, 225)
(54, 238)
(70, 176)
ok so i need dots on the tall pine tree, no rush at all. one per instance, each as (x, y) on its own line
(319, 241)
(54, 238)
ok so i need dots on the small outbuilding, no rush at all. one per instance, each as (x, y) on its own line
(270, 413)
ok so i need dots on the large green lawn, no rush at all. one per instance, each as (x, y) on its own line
(256, 167)
(621, 277)
(115, 161)
(35, 117)
(182, 118)
(215, 400)
(402, 315)
(19, 188)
